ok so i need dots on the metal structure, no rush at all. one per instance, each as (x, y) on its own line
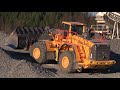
(114, 16)
(100, 27)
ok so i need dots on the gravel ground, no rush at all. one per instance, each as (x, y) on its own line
(18, 65)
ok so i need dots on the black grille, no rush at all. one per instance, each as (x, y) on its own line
(100, 52)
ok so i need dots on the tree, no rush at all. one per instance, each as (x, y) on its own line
(10, 20)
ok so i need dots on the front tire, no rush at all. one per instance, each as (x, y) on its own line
(38, 52)
(67, 62)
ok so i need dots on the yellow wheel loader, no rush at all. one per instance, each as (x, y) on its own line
(71, 50)
(68, 47)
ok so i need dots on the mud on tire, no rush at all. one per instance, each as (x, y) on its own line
(42, 48)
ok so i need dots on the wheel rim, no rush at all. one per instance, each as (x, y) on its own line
(36, 53)
(65, 61)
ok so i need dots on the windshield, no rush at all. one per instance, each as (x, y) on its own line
(78, 29)
(65, 27)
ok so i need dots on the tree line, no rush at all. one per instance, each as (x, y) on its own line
(10, 20)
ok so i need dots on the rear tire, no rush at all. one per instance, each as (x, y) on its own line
(38, 52)
(67, 62)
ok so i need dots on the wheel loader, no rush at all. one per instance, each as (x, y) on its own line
(68, 46)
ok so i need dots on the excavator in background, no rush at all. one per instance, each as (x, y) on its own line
(68, 46)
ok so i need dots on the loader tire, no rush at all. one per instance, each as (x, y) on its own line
(67, 62)
(38, 52)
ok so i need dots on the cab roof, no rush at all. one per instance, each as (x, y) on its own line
(73, 23)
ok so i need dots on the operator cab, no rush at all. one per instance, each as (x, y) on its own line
(74, 27)
(78, 29)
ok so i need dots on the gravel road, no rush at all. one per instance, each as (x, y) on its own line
(18, 65)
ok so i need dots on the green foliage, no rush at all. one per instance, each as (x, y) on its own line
(10, 20)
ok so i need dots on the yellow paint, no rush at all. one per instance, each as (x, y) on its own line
(71, 49)
(65, 62)
(98, 64)
(72, 23)
(84, 29)
(36, 53)
(77, 54)
(51, 47)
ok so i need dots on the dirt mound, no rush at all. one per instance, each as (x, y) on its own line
(115, 54)
(14, 65)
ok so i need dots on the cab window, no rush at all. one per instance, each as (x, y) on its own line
(78, 29)
(65, 27)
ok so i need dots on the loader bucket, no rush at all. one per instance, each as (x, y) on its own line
(24, 37)
(12, 40)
